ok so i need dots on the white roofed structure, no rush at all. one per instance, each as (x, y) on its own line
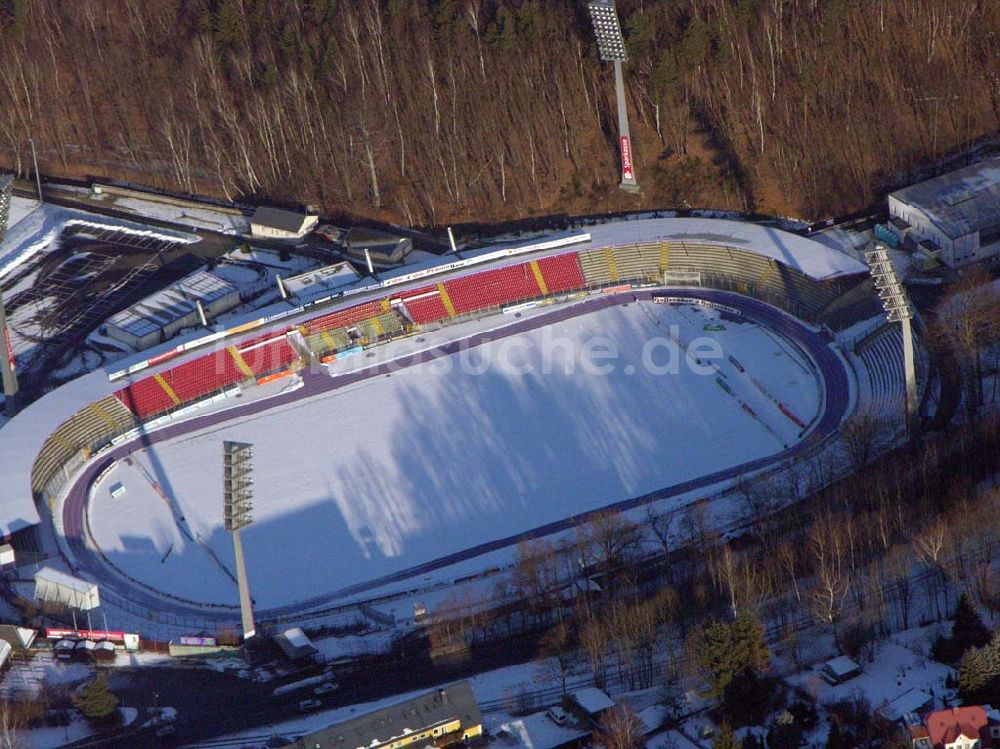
(592, 700)
(61, 587)
(955, 217)
(538, 731)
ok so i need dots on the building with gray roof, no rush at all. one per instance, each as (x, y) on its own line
(953, 218)
(277, 223)
(439, 718)
(160, 316)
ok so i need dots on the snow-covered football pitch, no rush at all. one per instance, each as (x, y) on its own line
(401, 469)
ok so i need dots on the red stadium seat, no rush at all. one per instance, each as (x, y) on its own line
(145, 398)
(424, 305)
(562, 272)
(204, 375)
(492, 288)
(343, 318)
(268, 357)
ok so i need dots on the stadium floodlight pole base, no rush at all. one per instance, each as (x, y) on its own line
(629, 182)
(910, 371)
(246, 604)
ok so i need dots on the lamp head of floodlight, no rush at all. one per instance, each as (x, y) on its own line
(890, 289)
(607, 30)
(237, 485)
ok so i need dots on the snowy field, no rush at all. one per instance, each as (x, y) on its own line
(403, 469)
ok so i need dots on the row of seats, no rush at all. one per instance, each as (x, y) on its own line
(424, 305)
(493, 288)
(756, 275)
(85, 431)
(882, 356)
(561, 273)
(328, 340)
(206, 374)
(271, 356)
(344, 317)
(145, 398)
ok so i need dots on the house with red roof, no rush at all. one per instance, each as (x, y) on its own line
(970, 727)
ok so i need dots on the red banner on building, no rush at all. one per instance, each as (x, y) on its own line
(626, 147)
(85, 634)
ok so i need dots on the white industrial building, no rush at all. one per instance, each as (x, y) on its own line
(277, 223)
(159, 317)
(954, 218)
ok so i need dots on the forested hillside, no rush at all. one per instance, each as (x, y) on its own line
(426, 111)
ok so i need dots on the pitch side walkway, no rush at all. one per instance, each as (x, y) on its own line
(817, 345)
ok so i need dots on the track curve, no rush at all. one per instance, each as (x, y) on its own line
(831, 367)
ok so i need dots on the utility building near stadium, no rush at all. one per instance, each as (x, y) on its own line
(953, 218)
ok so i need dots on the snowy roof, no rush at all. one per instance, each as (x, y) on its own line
(592, 700)
(295, 644)
(537, 731)
(801, 253)
(910, 701)
(842, 666)
(441, 706)
(63, 579)
(322, 280)
(960, 202)
(173, 303)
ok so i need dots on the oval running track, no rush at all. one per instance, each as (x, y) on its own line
(91, 560)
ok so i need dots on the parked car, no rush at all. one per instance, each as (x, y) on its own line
(307, 706)
(326, 688)
(557, 715)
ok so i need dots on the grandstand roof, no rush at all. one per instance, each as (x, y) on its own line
(22, 438)
(807, 255)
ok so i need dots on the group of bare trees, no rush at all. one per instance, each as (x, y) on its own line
(876, 552)
(442, 109)
(965, 331)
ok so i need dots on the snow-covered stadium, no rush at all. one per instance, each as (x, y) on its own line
(413, 430)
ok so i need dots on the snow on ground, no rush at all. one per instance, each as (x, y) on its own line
(28, 677)
(197, 218)
(402, 469)
(35, 233)
(901, 665)
(45, 737)
(352, 646)
(19, 209)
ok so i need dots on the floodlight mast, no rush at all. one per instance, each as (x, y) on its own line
(611, 47)
(897, 309)
(237, 496)
(8, 371)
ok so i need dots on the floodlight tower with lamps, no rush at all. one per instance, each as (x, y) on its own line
(897, 309)
(237, 494)
(611, 47)
(8, 372)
